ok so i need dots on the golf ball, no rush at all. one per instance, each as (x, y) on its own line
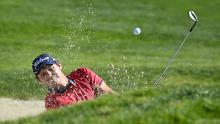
(136, 31)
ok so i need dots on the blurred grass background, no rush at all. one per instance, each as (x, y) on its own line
(97, 34)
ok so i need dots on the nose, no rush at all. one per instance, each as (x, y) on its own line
(48, 74)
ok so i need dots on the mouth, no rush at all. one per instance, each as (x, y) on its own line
(53, 80)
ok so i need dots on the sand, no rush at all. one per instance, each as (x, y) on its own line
(12, 109)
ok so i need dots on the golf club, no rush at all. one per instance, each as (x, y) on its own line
(193, 16)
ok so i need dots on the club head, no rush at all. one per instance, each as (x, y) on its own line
(193, 16)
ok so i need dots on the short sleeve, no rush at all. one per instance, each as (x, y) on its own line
(95, 79)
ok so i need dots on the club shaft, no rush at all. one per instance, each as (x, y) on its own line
(171, 60)
(192, 27)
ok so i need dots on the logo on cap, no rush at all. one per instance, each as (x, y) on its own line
(41, 61)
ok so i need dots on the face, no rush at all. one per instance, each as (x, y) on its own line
(52, 76)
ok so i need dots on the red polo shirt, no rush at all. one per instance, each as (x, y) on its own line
(81, 88)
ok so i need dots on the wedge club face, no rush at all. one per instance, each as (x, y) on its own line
(193, 16)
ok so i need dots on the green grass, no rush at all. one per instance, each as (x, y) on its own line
(186, 104)
(97, 33)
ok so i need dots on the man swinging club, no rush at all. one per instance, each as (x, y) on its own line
(80, 85)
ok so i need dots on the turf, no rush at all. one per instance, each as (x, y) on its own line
(97, 34)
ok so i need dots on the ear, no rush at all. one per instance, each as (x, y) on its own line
(58, 64)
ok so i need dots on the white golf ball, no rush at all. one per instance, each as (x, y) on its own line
(136, 31)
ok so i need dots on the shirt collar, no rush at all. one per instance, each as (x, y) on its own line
(62, 89)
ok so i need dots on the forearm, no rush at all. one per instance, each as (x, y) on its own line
(106, 89)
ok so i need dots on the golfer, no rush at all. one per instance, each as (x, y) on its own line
(80, 85)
